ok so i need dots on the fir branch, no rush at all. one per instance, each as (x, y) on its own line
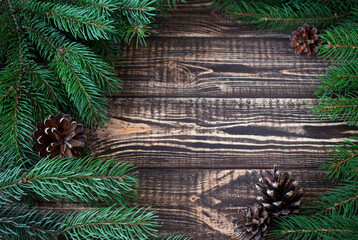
(352, 200)
(339, 80)
(18, 223)
(9, 185)
(41, 78)
(76, 77)
(85, 180)
(97, 69)
(110, 223)
(342, 200)
(79, 180)
(341, 46)
(139, 31)
(290, 16)
(321, 227)
(137, 12)
(162, 6)
(304, 19)
(83, 93)
(344, 160)
(343, 108)
(19, 78)
(284, 15)
(81, 22)
(15, 109)
(342, 43)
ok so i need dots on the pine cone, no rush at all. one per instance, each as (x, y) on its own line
(279, 193)
(305, 40)
(252, 223)
(58, 136)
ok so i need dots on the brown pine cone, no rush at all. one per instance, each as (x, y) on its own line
(58, 136)
(305, 40)
(279, 193)
(252, 223)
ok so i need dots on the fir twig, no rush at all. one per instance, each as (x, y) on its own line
(342, 200)
(81, 22)
(110, 223)
(321, 227)
(344, 160)
(20, 223)
(95, 180)
(343, 108)
(341, 43)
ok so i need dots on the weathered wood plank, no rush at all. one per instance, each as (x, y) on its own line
(197, 19)
(200, 53)
(232, 67)
(204, 106)
(217, 133)
(202, 202)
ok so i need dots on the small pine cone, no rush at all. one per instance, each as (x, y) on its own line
(305, 40)
(279, 193)
(58, 136)
(252, 223)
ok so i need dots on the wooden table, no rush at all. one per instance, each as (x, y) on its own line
(207, 105)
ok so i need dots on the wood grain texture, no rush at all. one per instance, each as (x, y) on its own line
(217, 133)
(216, 67)
(203, 203)
(205, 106)
(211, 56)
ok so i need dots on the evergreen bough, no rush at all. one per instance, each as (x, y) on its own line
(333, 214)
(59, 56)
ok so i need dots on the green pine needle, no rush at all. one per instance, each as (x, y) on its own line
(319, 227)
(340, 79)
(284, 15)
(110, 223)
(19, 223)
(344, 160)
(81, 22)
(82, 180)
(343, 108)
(341, 43)
(342, 200)
(10, 189)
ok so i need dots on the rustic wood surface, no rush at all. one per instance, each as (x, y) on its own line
(205, 106)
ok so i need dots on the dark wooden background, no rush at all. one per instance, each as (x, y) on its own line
(207, 105)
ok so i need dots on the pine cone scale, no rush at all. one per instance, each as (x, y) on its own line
(79, 129)
(51, 122)
(51, 148)
(64, 122)
(75, 143)
(71, 128)
(67, 153)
